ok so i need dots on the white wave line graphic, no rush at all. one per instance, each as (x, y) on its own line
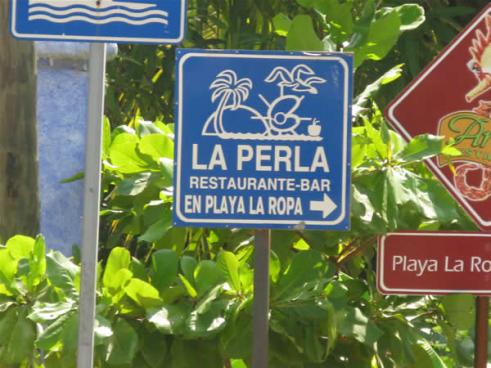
(104, 4)
(39, 8)
(98, 21)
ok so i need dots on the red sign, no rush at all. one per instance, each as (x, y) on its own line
(434, 263)
(452, 97)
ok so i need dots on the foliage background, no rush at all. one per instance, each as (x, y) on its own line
(179, 298)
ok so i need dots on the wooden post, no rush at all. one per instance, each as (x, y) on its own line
(481, 340)
(19, 202)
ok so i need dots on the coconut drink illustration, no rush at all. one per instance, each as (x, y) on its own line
(315, 129)
(233, 119)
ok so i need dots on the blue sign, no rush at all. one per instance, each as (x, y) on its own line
(263, 139)
(135, 21)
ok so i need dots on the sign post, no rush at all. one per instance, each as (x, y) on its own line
(92, 185)
(96, 21)
(263, 142)
(260, 316)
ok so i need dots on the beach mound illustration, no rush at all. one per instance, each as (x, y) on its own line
(96, 12)
(233, 119)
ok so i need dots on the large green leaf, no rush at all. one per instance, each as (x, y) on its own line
(382, 36)
(165, 264)
(302, 36)
(169, 319)
(359, 326)
(123, 345)
(20, 247)
(460, 310)
(229, 265)
(194, 353)
(18, 338)
(306, 266)
(124, 154)
(157, 146)
(143, 293)
(207, 274)
(119, 259)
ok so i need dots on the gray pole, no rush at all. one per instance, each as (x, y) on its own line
(260, 321)
(90, 240)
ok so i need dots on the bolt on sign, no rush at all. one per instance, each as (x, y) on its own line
(149, 21)
(263, 139)
(434, 263)
(452, 98)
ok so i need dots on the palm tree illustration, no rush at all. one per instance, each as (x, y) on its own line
(294, 79)
(232, 92)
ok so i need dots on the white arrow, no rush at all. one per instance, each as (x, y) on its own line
(327, 206)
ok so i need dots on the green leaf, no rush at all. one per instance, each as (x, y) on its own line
(154, 349)
(305, 267)
(61, 272)
(436, 361)
(371, 90)
(301, 36)
(20, 247)
(421, 147)
(281, 24)
(168, 319)
(106, 137)
(338, 15)
(134, 185)
(37, 263)
(124, 155)
(119, 259)
(188, 266)
(207, 323)
(207, 275)
(143, 293)
(19, 339)
(42, 312)
(166, 171)
(357, 325)
(158, 230)
(8, 269)
(123, 345)
(192, 354)
(460, 310)
(52, 335)
(229, 265)
(188, 286)
(157, 146)
(75, 177)
(382, 36)
(165, 264)
(411, 15)
(236, 339)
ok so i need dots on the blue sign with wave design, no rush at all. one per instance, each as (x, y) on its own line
(132, 21)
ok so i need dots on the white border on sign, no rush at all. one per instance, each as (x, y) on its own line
(380, 268)
(69, 38)
(464, 202)
(345, 165)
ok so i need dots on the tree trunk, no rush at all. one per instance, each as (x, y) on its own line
(19, 202)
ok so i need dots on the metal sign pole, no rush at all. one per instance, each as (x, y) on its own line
(260, 322)
(482, 313)
(90, 240)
